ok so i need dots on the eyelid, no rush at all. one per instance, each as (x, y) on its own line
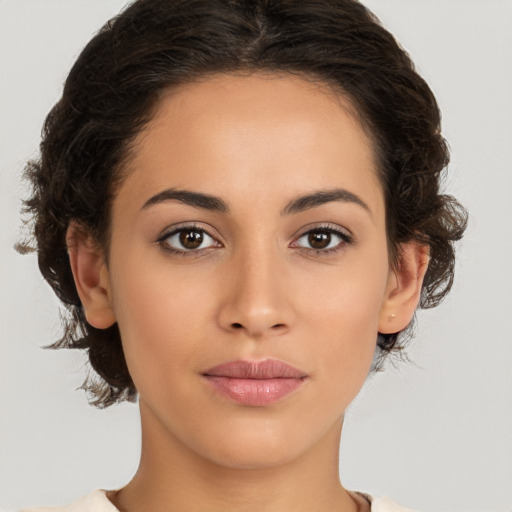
(324, 226)
(173, 230)
(347, 238)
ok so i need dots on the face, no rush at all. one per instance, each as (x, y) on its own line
(250, 228)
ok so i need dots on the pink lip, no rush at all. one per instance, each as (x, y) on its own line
(255, 383)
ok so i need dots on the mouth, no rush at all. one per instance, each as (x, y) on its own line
(255, 383)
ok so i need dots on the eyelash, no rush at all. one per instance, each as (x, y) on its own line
(344, 236)
(162, 240)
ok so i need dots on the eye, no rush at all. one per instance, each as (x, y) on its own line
(187, 239)
(324, 239)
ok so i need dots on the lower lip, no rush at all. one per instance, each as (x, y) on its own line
(254, 392)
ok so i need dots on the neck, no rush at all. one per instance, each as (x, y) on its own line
(171, 477)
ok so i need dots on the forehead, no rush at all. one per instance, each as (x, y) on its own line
(271, 134)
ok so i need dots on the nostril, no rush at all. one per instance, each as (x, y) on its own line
(275, 327)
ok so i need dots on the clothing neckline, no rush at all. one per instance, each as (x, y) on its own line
(381, 504)
(103, 494)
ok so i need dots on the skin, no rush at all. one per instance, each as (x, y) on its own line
(254, 290)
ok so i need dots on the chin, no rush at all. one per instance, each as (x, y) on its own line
(258, 445)
(234, 455)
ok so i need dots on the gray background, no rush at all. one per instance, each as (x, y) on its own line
(435, 434)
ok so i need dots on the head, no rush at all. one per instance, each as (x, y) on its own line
(171, 61)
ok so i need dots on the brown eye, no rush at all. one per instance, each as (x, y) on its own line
(185, 240)
(191, 238)
(319, 239)
(324, 240)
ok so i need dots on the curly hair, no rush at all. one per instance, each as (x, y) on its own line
(113, 89)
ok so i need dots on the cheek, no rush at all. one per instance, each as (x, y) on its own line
(162, 316)
(343, 321)
(346, 301)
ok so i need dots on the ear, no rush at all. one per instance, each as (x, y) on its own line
(403, 289)
(91, 276)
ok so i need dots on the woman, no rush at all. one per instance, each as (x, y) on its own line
(238, 202)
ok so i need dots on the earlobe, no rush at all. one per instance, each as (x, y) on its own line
(403, 289)
(91, 276)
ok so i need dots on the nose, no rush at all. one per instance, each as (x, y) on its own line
(257, 296)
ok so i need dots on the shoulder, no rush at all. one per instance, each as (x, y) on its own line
(387, 505)
(96, 501)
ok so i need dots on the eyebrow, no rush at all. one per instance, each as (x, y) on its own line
(322, 197)
(197, 199)
(297, 205)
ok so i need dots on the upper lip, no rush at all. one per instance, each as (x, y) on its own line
(266, 369)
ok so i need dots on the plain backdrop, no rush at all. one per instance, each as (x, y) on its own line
(434, 434)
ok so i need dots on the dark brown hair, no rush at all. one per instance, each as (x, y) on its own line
(113, 89)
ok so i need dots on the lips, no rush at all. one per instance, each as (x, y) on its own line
(255, 383)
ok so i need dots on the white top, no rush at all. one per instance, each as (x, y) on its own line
(97, 501)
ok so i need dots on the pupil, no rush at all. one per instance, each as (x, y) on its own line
(191, 239)
(319, 239)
